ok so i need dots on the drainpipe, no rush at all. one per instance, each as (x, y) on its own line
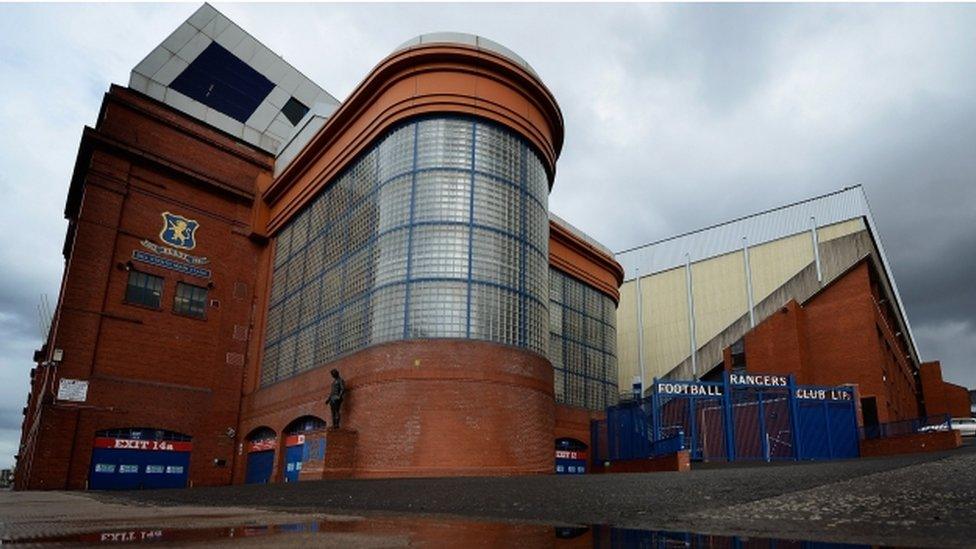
(752, 304)
(640, 334)
(691, 317)
(816, 247)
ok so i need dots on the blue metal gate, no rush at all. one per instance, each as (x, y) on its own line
(762, 420)
(694, 409)
(827, 423)
(262, 443)
(260, 465)
(742, 417)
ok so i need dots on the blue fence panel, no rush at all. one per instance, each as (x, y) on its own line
(628, 432)
(843, 430)
(779, 427)
(745, 416)
(814, 427)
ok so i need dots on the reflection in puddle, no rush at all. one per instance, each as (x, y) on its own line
(424, 531)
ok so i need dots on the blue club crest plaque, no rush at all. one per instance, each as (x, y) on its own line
(179, 231)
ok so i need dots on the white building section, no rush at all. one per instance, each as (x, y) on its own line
(213, 70)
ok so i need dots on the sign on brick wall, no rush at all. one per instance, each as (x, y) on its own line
(73, 390)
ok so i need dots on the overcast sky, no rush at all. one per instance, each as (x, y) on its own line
(677, 117)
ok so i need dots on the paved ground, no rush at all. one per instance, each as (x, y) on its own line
(920, 500)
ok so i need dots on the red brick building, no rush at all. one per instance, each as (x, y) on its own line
(235, 233)
(942, 397)
(144, 362)
(828, 340)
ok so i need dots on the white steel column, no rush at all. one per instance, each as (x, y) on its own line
(816, 247)
(640, 334)
(691, 317)
(752, 304)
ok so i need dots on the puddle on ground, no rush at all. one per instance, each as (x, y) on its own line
(422, 532)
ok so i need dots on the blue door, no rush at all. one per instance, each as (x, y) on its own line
(120, 469)
(293, 462)
(259, 467)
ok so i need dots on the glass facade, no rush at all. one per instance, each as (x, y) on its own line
(582, 343)
(439, 230)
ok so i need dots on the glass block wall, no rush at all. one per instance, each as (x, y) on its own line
(439, 230)
(582, 343)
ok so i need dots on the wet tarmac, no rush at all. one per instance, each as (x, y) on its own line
(922, 500)
(413, 532)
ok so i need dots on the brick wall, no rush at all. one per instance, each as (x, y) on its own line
(942, 397)
(911, 444)
(957, 400)
(840, 336)
(148, 367)
(427, 408)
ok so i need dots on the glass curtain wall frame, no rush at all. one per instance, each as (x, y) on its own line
(439, 230)
(582, 343)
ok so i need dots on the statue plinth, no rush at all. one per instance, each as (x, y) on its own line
(330, 453)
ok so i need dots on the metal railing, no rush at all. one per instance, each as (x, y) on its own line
(669, 445)
(611, 448)
(941, 422)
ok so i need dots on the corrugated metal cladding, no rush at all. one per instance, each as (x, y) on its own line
(759, 228)
(835, 207)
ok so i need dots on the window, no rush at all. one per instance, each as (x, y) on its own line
(438, 230)
(190, 300)
(294, 111)
(144, 289)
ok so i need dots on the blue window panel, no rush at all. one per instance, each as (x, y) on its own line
(220, 80)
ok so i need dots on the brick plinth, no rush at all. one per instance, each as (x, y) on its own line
(339, 459)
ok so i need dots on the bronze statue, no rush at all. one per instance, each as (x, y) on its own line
(335, 397)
